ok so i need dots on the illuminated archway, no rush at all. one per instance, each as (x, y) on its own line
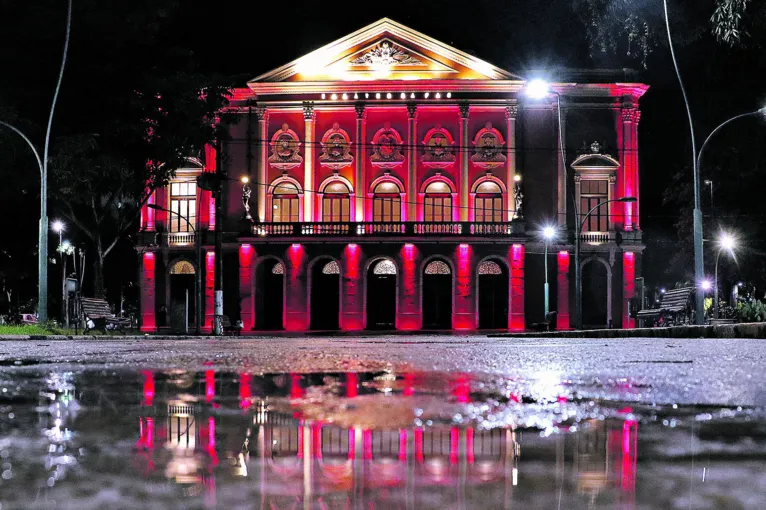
(437, 294)
(381, 294)
(269, 294)
(324, 304)
(180, 312)
(492, 288)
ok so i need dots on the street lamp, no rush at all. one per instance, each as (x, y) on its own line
(726, 242)
(578, 270)
(42, 163)
(548, 233)
(58, 226)
(198, 246)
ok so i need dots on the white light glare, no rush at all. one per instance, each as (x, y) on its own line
(727, 241)
(549, 232)
(58, 226)
(537, 88)
(706, 285)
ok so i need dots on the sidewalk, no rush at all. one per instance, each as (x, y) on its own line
(751, 330)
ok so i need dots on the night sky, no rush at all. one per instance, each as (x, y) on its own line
(242, 39)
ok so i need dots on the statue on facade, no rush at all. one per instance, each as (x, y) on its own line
(518, 197)
(246, 192)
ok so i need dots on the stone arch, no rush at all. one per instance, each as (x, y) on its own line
(433, 318)
(370, 286)
(336, 178)
(488, 178)
(499, 298)
(387, 178)
(266, 276)
(596, 258)
(181, 276)
(324, 311)
(437, 178)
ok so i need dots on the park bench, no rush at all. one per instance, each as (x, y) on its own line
(674, 309)
(98, 315)
(228, 327)
(549, 324)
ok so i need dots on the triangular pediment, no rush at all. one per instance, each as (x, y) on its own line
(385, 50)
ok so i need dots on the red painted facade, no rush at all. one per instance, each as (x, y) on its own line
(434, 164)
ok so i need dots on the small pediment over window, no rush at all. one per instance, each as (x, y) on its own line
(593, 158)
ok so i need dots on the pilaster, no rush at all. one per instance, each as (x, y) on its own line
(562, 280)
(412, 180)
(308, 162)
(516, 319)
(511, 113)
(148, 285)
(247, 286)
(628, 287)
(464, 155)
(360, 186)
(561, 163)
(263, 161)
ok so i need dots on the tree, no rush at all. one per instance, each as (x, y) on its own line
(103, 179)
(632, 28)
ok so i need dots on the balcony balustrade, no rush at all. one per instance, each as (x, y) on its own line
(180, 238)
(389, 229)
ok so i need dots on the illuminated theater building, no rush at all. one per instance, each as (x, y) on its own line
(396, 182)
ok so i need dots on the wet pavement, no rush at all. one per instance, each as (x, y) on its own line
(374, 423)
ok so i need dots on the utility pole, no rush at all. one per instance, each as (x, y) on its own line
(219, 224)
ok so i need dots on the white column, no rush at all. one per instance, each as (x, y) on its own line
(263, 161)
(511, 112)
(308, 162)
(359, 184)
(464, 155)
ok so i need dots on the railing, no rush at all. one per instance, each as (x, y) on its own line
(402, 228)
(180, 238)
(598, 237)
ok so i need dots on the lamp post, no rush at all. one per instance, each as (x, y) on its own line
(42, 163)
(198, 248)
(548, 234)
(578, 270)
(58, 226)
(726, 242)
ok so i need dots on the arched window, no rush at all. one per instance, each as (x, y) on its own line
(438, 267)
(385, 266)
(387, 203)
(278, 268)
(592, 193)
(331, 267)
(336, 203)
(285, 203)
(182, 267)
(437, 204)
(489, 267)
(488, 204)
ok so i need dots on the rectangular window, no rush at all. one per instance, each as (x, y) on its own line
(386, 209)
(488, 209)
(285, 209)
(592, 193)
(336, 208)
(438, 208)
(183, 204)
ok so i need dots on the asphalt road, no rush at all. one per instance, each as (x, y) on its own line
(725, 372)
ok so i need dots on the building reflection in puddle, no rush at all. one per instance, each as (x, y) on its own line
(296, 462)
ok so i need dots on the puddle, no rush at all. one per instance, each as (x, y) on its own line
(177, 439)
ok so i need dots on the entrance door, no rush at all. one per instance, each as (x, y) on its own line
(437, 296)
(269, 295)
(493, 296)
(182, 284)
(325, 295)
(381, 295)
(595, 282)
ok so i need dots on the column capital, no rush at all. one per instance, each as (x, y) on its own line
(464, 109)
(261, 113)
(630, 114)
(361, 110)
(412, 110)
(511, 112)
(308, 110)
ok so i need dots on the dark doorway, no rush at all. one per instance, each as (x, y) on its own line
(437, 296)
(381, 295)
(594, 294)
(269, 295)
(493, 295)
(182, 297)
(325, 295)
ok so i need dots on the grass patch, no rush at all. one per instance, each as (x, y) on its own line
(33, 329)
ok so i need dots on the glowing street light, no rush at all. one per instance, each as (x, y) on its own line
(538, 89)
(726, 242)
(706, 285)
(548, 233)
(58, 226)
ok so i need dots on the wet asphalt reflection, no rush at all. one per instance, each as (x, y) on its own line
(372, 440)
